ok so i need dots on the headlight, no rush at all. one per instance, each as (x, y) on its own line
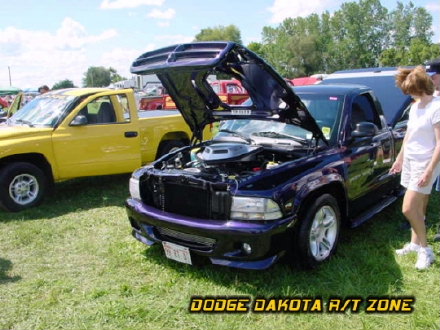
(250, 208)
(134, 188)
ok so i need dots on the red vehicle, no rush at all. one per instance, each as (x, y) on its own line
(156, 98)
(3, 103)
(301, 81)
(304, 81)
(230, 91)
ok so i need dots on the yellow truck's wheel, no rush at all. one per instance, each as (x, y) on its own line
(169, 146)
(22, 185)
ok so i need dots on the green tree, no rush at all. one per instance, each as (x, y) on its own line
(220, 33)
(295, 48)
(417, 53)
(114, 76)
(256, 47)
(66, 83)
(410, 37)
(98, 76)
(360, 34)
(408, 22)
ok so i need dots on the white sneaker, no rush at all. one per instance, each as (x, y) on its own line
(425, 258)
(408, 248)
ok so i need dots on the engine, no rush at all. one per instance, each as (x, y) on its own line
(220, 162)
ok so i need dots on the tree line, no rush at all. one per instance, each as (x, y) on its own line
(95, 76)
(359, 35)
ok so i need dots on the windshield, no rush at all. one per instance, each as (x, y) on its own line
(42, 111)
(325, 109)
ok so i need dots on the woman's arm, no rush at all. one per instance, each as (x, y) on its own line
(397, 165)
(426, 177)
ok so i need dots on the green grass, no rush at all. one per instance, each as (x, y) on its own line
(72, 264)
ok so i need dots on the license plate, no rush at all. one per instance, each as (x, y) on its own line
(177, 252)
(242, 112)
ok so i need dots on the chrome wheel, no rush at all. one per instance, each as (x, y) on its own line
(323, 233)
(24, 189)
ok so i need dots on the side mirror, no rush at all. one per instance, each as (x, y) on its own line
(3, 113)
(79, 120)
(364, 129)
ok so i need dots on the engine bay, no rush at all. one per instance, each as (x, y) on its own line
(223, 162)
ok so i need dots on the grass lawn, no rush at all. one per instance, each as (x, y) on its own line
(73, 264)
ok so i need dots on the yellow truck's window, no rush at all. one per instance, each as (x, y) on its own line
(123, 102)
(99, 111)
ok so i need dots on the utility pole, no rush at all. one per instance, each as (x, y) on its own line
(10, 81)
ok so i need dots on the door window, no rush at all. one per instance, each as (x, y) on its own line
(99, 111)
(123, 103)
(364, 111)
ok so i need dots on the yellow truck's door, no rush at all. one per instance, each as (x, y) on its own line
(99, 137)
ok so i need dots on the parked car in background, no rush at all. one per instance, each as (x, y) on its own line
(285, 172)
(301, 81)
(10, 101)
(230, 91)
(80, 132)
(382, 81)
(155, 96)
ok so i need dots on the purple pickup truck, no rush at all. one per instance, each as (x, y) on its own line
(286, 170)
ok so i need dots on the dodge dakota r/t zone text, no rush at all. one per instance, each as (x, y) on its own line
(285, 171)
(80, 132)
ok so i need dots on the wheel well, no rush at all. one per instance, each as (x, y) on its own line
(175, 136)
(33, 158)
(334, 189)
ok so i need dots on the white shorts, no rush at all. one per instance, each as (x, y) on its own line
(412, 171)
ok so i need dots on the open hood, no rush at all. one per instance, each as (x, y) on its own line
(183, 70)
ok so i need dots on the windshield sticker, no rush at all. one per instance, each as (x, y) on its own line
(326, 131)
(333, 98)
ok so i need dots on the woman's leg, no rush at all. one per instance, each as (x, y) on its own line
(414, 238)
(414, 206)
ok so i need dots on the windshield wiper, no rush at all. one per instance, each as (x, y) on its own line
(23, 121)
(237, 134)
(274, 135)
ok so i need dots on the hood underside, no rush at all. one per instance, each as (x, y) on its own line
(183, 70)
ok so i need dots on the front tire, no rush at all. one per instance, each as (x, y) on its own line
(169, 146)
(22, 185)
(318, 232)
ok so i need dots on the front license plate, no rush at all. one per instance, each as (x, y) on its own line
(177, 252)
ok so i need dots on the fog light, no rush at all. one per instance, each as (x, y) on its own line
(246, 248)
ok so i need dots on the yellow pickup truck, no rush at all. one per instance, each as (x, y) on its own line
(80, 132)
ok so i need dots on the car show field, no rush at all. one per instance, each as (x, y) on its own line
(219, 186)
(71, 264)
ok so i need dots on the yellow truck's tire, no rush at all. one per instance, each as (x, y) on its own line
(168, 146)
(22, 185)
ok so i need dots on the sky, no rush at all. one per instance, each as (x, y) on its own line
(46, 41)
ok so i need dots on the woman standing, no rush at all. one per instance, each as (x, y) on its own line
(419, 158)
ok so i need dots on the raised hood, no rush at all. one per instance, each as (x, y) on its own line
(183, 70)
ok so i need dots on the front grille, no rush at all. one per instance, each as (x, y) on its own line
(188, 200)
(188, 240)
(198, 199)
